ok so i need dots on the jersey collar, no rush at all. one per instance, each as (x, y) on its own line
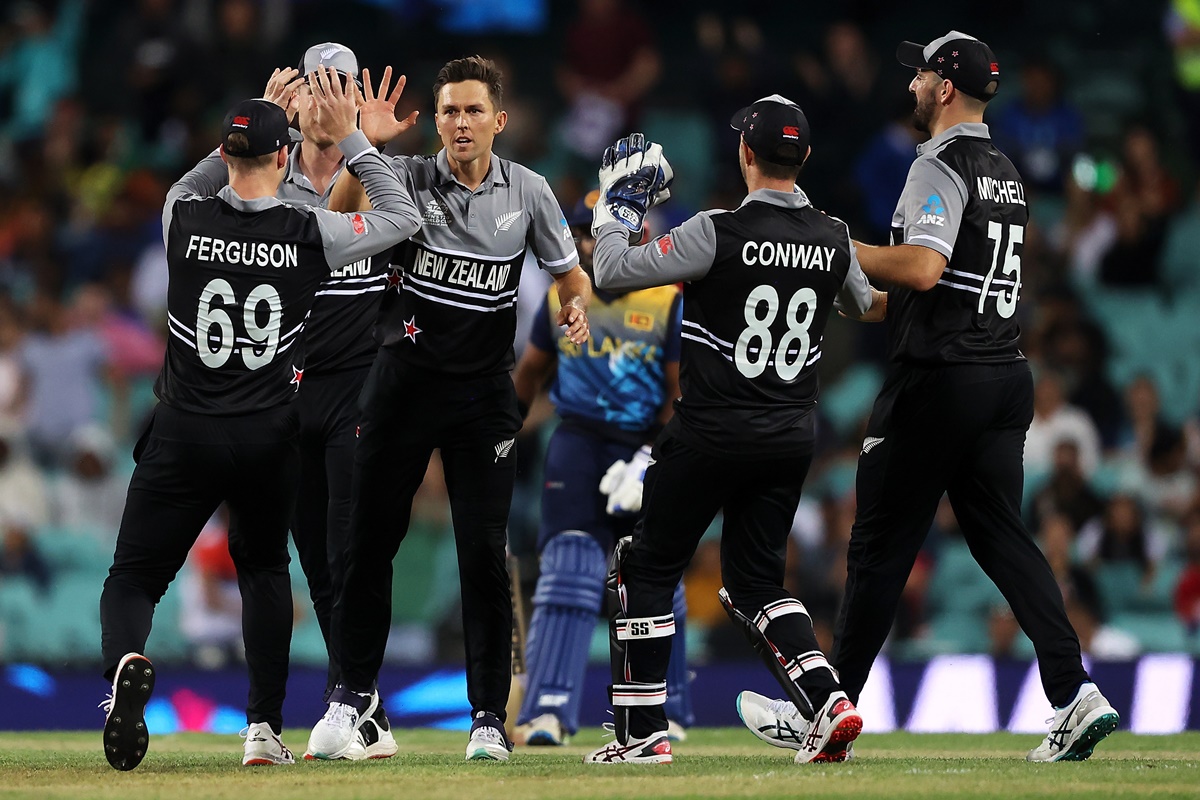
(497, 174)
(793, 199)
(256, 204)
(977, 129)
(293, 174)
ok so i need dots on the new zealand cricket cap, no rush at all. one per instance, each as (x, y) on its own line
(961, 59)
(334, 56)
(775, 129)
(264, 125)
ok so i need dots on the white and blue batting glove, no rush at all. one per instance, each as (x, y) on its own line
(634, 177)
(623, 483)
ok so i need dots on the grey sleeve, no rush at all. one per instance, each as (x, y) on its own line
(203, 180)
(931, 207)
(685, 253)
(393, 218)
(549, 237)
(854, 298)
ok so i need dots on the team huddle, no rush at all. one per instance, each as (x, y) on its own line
(336, 315)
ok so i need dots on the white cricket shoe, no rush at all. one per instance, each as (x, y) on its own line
(357, 751)
(1076, 728)
(378, 741)
(776, 722)
(488, 742)
(676, 732)
(263, 747)
(542, 731)
(125, 736)
(654, 749)
(336, 733)
(831, 732)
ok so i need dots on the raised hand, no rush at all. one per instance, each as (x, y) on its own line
(336, 107)
(282, 89)
(378, 110)
(634, 177)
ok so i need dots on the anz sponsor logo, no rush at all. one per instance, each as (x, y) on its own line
(932, 213)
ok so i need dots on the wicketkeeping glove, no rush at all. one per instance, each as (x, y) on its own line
(623, 483)
(634, 177)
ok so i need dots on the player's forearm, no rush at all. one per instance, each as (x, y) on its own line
(382, 188)
(908, 265)
(348, 194)
(574, 289)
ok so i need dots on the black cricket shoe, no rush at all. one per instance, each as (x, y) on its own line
(125, 736)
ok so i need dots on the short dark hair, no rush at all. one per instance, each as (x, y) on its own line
(472, 68)
(778, 172)
(237, 142)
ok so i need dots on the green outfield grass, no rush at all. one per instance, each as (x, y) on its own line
(724, 762)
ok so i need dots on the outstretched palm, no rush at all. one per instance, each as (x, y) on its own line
(377, 114)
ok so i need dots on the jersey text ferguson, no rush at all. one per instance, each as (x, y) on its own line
(250, 254)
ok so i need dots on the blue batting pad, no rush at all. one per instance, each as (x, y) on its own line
(569, 594)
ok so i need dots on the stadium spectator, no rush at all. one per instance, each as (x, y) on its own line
(89, 495)
(19, 556)
(610, 61)
(1162, 479)
(1065, 340)
(1066, 491)
(882, 169)
(22, 488)
(1085, 233)
(1141, 417)
(211, 613)
(64, 365)
(1081, 595)
(1144, 197)
(1123, 535)
(1054, 421)
(45, 46)
(1040, 131)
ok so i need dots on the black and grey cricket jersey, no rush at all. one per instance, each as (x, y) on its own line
(340, 326)
(451, 303)
(243, 274)
(759, 285)
(964, 199)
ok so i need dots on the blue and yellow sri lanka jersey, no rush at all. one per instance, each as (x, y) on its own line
(615, 380)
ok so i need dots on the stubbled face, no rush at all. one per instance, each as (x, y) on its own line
(467, 122)
(924, 87)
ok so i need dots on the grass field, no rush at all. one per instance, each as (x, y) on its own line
(722, 762)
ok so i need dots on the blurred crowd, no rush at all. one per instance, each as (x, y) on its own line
(103, 105)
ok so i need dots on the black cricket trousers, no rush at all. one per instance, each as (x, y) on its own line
(958, 430)
(327, 409)
(683, 491)
(187, 465)
(406, 413)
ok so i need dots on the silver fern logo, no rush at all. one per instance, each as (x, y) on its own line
(503, 449)
(870, 443)
(505, 221)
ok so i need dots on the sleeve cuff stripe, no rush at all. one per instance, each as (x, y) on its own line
(949, 247)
